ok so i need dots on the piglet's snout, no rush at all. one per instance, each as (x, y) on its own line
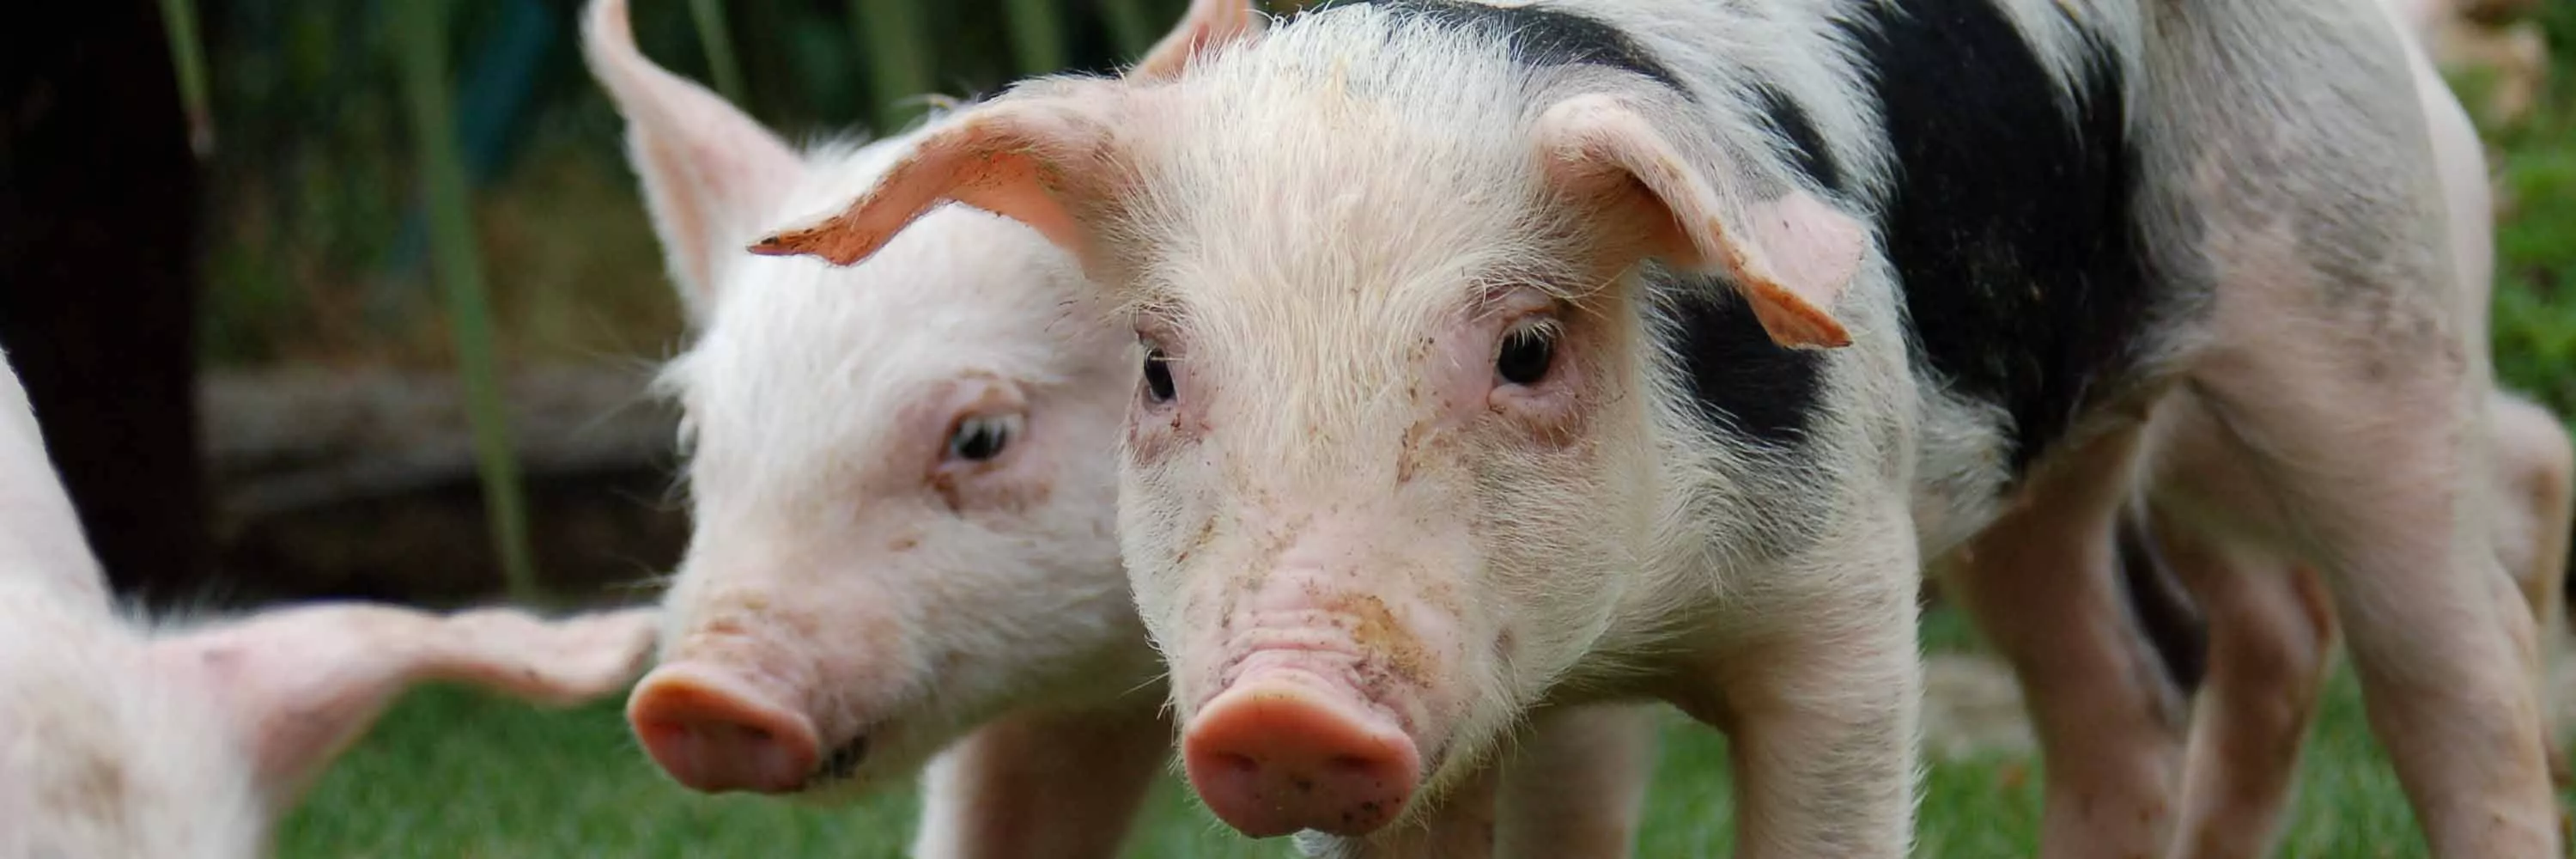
(1313, 722)
(1278, 753)
(715, 732)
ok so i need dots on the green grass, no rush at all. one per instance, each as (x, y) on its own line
(451, 774)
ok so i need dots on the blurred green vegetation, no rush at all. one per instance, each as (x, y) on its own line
(2535, 297)
(316, 249)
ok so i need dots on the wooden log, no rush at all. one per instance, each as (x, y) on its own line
(294, 438)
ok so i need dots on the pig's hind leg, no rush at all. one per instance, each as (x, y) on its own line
(1042, 784)
(2537, 470)
(2270, 627)
(2342, 358)
(2269, 630)
(2376, 481)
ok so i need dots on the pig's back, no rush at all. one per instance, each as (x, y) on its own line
(2009, 211)
(1994, 156)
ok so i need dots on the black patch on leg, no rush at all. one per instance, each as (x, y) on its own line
(2010, 220)
(1537, 36)
(1745, 385)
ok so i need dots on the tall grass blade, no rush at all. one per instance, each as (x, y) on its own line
(1131, 25)
(420, 37)
(718, 41)
(1037, 35)
(188, 56)
(895, 35)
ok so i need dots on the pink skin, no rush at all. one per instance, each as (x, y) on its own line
(1282, 752)
(714, 732)
(1328, 693)
(857, 597)
(1367, 545)
(123, 739)
(859, 593)
(801, 657)
(844, 554)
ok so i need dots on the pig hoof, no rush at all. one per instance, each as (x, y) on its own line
(1272, 759)
(714, 736)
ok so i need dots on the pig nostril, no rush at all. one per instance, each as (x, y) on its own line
(714, 734)
(1272, 758)
(844, 761)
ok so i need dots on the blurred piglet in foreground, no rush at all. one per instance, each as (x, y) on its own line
(118, 740)
(903, 480)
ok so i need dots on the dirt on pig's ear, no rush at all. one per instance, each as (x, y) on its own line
(299, 685)
(1792, 254)
(1040, 156)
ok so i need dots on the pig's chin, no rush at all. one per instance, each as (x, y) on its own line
(890, 747)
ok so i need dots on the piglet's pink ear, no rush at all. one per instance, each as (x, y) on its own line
(1792, 255)
(711, 174)
(1023, 156)
(1207, 25)
(301, 684)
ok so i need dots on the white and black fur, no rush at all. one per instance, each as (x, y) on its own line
(2194, 247)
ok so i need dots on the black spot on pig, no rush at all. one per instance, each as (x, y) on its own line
(2010, 220)
(1537, 36)
(1806, 148)
(1744, 384)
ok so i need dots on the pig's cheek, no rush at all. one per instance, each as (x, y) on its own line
(1158, 432)
(1152, 433)
(1014, 487)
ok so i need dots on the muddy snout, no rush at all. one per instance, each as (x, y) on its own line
(1278, 754)
(1313, 724)
(717, 731)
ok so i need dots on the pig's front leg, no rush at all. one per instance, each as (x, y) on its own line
(1577, 786)
(1048, 784)
(1821, 701)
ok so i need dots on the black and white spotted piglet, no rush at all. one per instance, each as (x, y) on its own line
(1497, 357)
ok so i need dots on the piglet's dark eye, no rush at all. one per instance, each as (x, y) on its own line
(1527, 352)
(1158, 376)
(978, 439)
